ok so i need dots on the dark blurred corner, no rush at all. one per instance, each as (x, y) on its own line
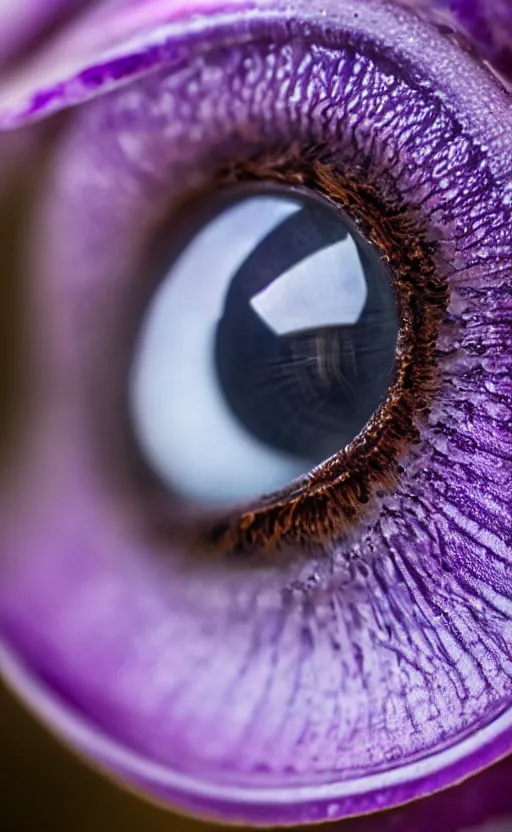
(43, 787)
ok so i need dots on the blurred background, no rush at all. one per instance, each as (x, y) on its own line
(42, 786)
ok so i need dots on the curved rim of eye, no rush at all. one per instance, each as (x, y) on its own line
(443, 767)
(207, 798)
(108, 46)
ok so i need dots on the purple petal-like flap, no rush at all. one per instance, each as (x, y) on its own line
(112, 44)
(470, 802)
(95, 614)
(24, 24)
(122, 40)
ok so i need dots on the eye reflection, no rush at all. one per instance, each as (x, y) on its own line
(265, 349)
(363, 661)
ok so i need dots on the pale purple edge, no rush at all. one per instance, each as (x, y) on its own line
(99, 78)
(52, 707)
(95, 77)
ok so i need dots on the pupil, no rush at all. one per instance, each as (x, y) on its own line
(266, 347)
(305, 346)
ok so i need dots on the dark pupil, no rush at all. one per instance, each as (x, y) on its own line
(303, 365)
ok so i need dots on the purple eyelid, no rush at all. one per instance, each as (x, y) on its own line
(49, 605)
(107, 46)
(118, 42)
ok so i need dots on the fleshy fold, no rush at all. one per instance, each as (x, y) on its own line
(113, 46)
(110, 45)
(122, 40)
(23, 23)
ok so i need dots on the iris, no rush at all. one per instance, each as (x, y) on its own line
(267, 347)
(356, 652)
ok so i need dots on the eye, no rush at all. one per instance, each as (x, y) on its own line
(266, 348)
(355, 653)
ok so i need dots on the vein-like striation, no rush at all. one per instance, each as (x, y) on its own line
(392, 646)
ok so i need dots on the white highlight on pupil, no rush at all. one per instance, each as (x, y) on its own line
(326, 289)
(183, 424)
(184, 427)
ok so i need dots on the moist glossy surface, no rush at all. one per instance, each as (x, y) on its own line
(328, 682)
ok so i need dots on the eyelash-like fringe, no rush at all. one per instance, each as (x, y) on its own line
(326, 503)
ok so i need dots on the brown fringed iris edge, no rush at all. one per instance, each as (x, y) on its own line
(331, 498)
